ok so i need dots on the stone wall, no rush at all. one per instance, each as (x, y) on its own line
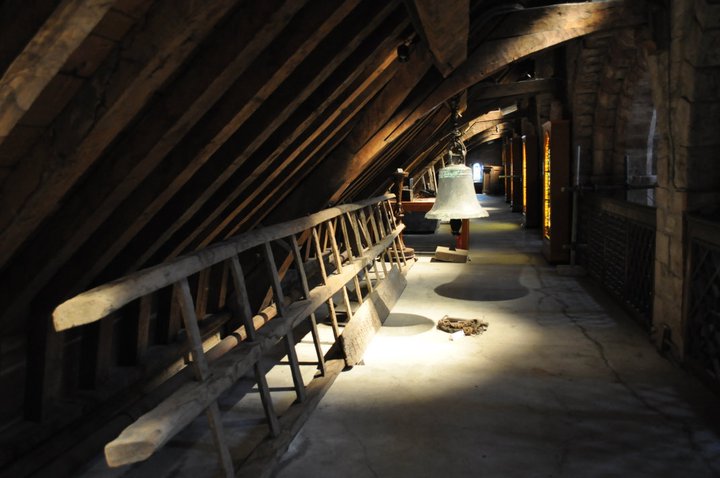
(685, 81)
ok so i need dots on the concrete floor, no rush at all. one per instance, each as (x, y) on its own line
(563, 383)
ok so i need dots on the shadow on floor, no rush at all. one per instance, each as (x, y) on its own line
(484, 285)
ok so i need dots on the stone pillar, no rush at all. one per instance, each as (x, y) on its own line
(686, 91)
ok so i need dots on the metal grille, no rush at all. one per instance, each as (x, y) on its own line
(704, 311)
(620, 253)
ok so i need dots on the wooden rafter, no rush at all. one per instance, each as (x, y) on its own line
(208, 232)
(523, 34)
(32, 70)
(113, 188)
(444, 26)
(41, 181)
(377, 122)
(485, 92)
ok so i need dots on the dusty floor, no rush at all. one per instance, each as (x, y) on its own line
(562, 383)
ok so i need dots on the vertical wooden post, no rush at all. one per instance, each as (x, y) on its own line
(243, 305)
(348, 249)
(375, 235)
(203, 290)
(44, 369)
(387, 209)
(306, 290)
(361, 250)
(338, 260)
(143, 329)
(289, 337)
(463, 240)
(323, 272)
(202, 371)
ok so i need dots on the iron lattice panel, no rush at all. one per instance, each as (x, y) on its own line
(704, 312)
(620, 254)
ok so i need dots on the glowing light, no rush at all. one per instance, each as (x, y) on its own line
(546, 185)
(524, 175)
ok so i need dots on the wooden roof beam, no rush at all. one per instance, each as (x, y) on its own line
(36, 186)
(422, 143)
(312, 154)
(163, 125)
(445, 27)
(263, 185)
(33, 69)
(350, 70)
(526, 32)
(377, 122)
(273, 115)
(491, 91)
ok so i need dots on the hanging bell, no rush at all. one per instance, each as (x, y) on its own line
(456, 195)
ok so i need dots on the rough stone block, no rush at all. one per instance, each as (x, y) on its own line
(705, 202)
(605, 117)
(678, 205)
(662, 248)
(681, 121)
(662, 196)
(702, 48)
(704, 166)
(700, 83)
(677, 258)
(604, 136)
(703, 131)
(706, 14)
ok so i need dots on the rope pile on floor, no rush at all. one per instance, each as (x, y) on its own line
(468, 326)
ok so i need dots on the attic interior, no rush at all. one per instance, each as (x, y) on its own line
(176, 174)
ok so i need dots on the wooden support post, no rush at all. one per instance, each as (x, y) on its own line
(143, 329)
(376, 234)
(203, 290)
(338, 260)
(348, 249)
(323, 272)
(289, 337)
(306, 290)
(387, 210)
(43, 384)
(202, 372)
(463, 240)
(243, 305)
(352, 219)
(363, 223)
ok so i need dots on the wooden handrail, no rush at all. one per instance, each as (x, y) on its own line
(101, 301)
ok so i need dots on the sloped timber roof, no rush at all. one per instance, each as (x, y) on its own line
(132, 131)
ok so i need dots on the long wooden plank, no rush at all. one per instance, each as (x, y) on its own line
(370, 316)
(39, 62)
(151, 431)
(445, 27)
(101, 301)
(40, 182)
(130, 162)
